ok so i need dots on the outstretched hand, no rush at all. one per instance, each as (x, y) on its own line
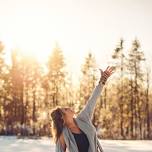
(106, 74)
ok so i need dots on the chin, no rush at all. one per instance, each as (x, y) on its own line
(74, 116)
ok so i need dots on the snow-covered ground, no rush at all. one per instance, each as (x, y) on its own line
(11, 144)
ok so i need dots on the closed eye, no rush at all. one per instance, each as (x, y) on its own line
(66, 108)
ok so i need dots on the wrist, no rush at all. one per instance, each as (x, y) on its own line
(102, 82)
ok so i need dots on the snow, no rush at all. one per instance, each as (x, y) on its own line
(11, 144)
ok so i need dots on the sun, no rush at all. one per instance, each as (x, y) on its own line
(28, 46)
(31, 35)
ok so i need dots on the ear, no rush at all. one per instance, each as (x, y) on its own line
(63, 120)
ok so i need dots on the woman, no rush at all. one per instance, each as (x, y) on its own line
(77, 134)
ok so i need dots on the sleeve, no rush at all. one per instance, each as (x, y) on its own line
(87, 111)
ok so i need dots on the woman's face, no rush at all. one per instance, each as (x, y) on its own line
(68, 112)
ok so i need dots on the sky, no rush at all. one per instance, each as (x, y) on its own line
(78, 26)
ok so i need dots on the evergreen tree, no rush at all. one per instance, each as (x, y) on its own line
(135, 59)
(88, 79)
(4, 86)
(56, 77)
(87, 82)
(120, 64)
(147, 107)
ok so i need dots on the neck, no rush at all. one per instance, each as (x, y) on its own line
(71, 123)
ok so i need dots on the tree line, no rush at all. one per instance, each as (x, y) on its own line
(29, 90)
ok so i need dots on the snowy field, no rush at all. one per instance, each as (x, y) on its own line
(11, 144)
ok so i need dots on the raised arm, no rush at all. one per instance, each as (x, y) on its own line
(89, 108)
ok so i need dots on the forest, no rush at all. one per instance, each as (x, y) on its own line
(30, 90)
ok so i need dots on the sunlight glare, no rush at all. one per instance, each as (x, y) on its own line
(30, 33)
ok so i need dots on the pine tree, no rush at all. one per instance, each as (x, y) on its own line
(4, 86)
(5, 99)
(147, 108)
(88, 79)
(120, 64)
(87, 82)
(56, 77)
(136, 77)
(32, 91)
(17, 110)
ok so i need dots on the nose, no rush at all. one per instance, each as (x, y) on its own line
(71, 108)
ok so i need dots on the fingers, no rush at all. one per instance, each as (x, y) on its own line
(106, 74)
(109, 70)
